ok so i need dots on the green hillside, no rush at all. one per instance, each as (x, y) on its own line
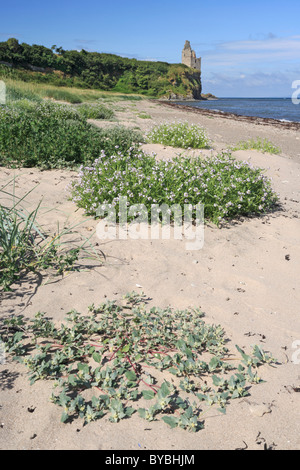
(100, 71)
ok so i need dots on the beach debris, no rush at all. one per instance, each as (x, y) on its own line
(31, 409)
(243, 448)
(261, 440)
(263, 337)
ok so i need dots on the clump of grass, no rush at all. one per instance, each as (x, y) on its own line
(62, 95)
(51, 135)
(129, 97)
(122, 358)
(262, 145)
(24, 245)
(227, 188)
(95, 111)
(144, 115)
(179, 134)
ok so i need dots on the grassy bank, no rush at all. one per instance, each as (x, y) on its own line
(17, 89)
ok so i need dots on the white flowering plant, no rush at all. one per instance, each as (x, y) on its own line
(226, 187)
(179, 134)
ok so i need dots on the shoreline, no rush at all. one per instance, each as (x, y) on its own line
(293, 125)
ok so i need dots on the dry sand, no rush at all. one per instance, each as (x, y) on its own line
(245, 278)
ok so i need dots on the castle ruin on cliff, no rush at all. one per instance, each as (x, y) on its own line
(189, 57)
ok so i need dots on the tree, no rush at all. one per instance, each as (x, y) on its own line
(13, 45)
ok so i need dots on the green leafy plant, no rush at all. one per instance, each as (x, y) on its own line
(95, 111)
(144, 115)
(51, 135)
(101, 361)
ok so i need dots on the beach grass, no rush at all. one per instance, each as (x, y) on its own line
(261, 145)
(17, 89)
(26, 247)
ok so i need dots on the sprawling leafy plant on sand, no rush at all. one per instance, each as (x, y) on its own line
(122, 359)
(228, 188)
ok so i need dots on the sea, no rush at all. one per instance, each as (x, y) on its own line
(282, 109)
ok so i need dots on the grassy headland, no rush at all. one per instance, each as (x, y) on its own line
(94, 70)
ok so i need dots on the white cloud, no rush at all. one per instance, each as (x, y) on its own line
(269, 50)
(256, 83)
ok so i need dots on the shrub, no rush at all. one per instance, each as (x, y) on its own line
(52, 136)
(120, 139)
(95, 111)
(226, 187)
(25, 104)
(180, 135)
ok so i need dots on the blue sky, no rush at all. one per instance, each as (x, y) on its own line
(248, 48)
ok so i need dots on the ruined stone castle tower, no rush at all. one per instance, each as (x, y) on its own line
(189, 57)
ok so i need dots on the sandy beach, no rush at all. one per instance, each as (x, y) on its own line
(245, 278)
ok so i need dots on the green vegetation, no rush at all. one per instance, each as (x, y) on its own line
(120, 359)
(18, 89)
(24, 245)
(262, 145)
(226, 187)
(84, 69)
(51, 135)
(144, 115)
(179, 134)
(95, 111)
